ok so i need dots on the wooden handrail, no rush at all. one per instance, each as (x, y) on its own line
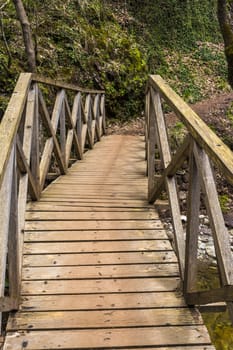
(219, 153)
(57, 83)
(200, 148)
(11, 119)
(34, 139)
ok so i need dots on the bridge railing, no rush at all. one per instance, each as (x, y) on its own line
(38, 141)
(202, 149)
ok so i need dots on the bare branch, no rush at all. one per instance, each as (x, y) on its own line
(27, 35)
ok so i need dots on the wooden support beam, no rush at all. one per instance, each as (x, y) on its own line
(224, 294)
(170, 181)
(176, 162)
(11, 120)
(24, 168)
(52, 132)
(8, 304)
(192, 230)
(62, 85)
(14, 242)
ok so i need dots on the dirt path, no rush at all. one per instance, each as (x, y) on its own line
(213, 111)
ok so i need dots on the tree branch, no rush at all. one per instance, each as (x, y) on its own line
(27, 35)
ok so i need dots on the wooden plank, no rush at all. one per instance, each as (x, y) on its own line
(110, 301)
(93, 196)
(125, 285)
(106, 271)
(92, 225)
(102, 319)
(105, 338)
(96, 201)
(78, 187)
(63, 85)
(98, 246)
(221, 155)
(76, 207)
(147, 215)
(98, 258)
(84, 191)
(111, 235)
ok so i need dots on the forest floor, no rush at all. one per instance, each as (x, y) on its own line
(213, 111)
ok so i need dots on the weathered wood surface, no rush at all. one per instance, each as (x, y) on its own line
(202, 147)
(96, 277)
(202, 134)
(36, 139)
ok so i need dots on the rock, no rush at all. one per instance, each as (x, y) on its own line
(206, 221)
(182, 195)
(205, 230)
(229, 219)
(201, 246)
(183, 218)
(211, 251)
(201, 217)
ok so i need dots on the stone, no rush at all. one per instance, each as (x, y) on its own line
(211, 251)
(182, 195)
(229, 219)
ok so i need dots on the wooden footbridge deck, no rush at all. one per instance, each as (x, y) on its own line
(95, 268)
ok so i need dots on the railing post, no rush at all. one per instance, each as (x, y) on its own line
(147, 125)
(5, 209)
(165, 154)
(14, 242)
(151, 147)
(193, 207)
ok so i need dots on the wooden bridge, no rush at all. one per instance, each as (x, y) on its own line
(85, 260)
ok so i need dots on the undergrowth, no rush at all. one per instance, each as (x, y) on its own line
(114, 45)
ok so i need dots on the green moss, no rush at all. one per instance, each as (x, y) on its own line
(224, 201)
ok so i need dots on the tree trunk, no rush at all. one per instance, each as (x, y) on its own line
(225, 18)
(27, 35)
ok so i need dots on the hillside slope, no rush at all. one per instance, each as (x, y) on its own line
(115, 45)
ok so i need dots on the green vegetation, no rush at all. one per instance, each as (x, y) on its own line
(224, 201)
(114, 45)
(218, 324)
